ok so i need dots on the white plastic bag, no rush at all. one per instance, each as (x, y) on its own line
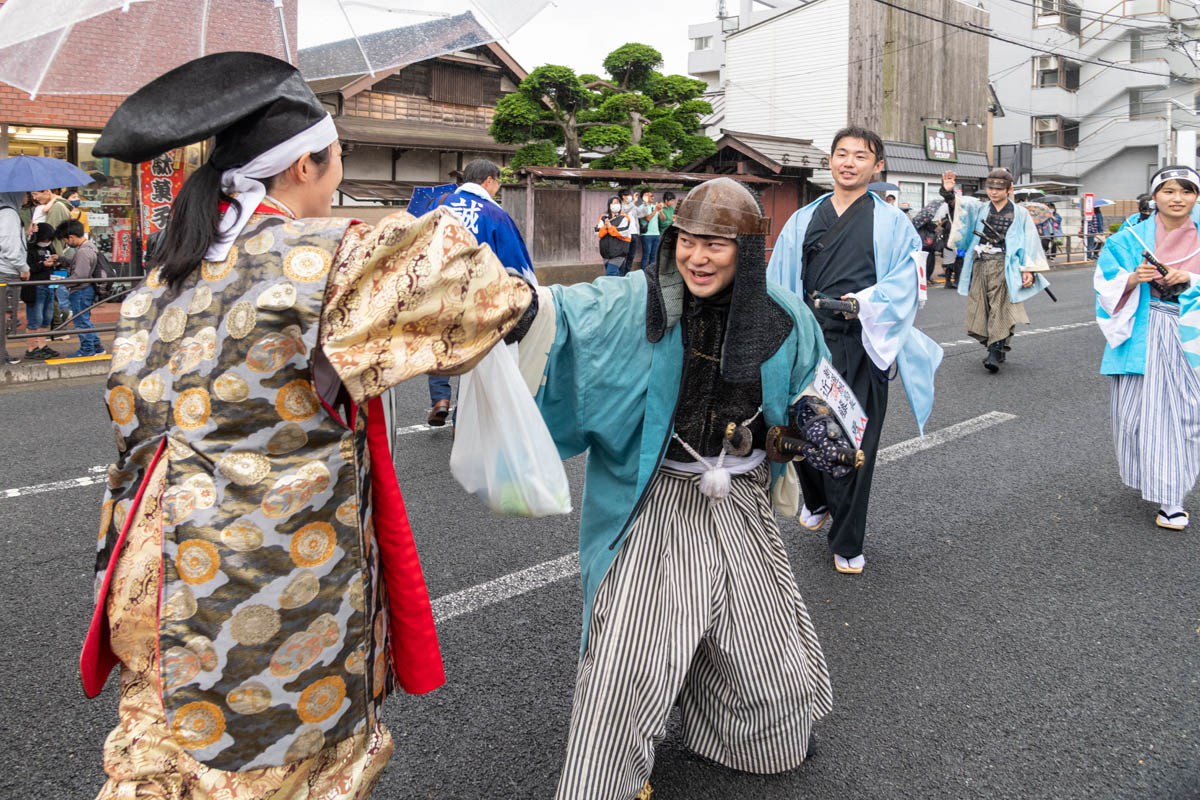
(503, 452)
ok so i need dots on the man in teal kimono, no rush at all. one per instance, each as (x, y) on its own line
(688, 594)
(1004, 257)
(851, 244)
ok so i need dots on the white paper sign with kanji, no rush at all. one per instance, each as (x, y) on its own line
(833, 388)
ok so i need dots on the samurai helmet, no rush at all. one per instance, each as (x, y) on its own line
(758, 325)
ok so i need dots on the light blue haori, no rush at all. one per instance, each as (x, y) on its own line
(1022, 247)
(888, 308)
(608, 391)
(1125, 329)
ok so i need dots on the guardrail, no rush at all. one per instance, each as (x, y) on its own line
(6, 334)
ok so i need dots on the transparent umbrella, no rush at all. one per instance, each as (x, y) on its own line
(117, 46)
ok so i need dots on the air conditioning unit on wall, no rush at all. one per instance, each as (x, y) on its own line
(1046, 124)
(1047, 63)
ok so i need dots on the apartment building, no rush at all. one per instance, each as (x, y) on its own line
(1111, 99)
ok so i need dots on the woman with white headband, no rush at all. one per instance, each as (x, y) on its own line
(257, 580)
(1148, 307)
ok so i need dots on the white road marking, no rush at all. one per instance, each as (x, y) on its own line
(449, 606)
(420, 428)
(1035, 332)
(527, 580)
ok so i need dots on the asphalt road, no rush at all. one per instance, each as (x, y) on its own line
(1022, 630)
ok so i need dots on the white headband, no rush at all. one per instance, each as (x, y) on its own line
(1175, 174)
(244, 180)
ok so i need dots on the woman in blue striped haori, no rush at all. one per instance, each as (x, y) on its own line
(1152, 324)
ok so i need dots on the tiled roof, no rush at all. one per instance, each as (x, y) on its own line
(910, 158)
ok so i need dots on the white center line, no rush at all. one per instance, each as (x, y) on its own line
(1052, 329)
(449, 606)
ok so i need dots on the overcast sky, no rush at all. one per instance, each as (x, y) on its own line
(580, 33)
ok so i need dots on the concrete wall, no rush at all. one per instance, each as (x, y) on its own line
(790, 77)
(1122, 177)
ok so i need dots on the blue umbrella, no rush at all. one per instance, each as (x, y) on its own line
(34, 173)
(883, 187)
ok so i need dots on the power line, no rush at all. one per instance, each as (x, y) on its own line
(1101, 19)
(990, 35)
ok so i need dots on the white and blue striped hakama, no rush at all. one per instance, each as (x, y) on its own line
(1156, 416)
(699, 608)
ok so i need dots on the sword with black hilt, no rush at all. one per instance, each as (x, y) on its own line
(1169, 292)
(826, 303)
(784, 444)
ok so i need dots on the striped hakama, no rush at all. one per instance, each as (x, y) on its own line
(700, 607)
(1156, 416)
(991, 315)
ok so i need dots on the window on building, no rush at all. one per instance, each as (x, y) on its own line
(458, 84)
(1141, 106)
(1055, 71)
(1057, 14)
(1137, 46)
(729, 24)
(1055, 131)
(703, 42)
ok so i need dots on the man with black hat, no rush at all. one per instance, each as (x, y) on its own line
(670, 378)
(256, 578)
(851, 245)
(1003, 258)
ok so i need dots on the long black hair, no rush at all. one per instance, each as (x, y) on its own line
(195, 220)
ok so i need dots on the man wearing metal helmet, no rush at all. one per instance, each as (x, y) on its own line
(670, 378)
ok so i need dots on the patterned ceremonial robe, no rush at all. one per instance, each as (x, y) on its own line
(273, 634)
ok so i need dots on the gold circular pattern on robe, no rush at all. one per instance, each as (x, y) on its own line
(254, 624)
(121, 405)
(178, 449)
(244, 468)
(317, 474)
(151, 388)
(321, 699)
(106, 515)
(240, 319)
(201, 299)
(296, 401)
(288, 439)
(179, 666)
(307, 744)
(203, 647)
(347, 513)
(326, 626)
(356, 662)
(216, 270)
(242, 537)
(257, 245)
(356, 593)
(300, 590)
(313, 544)
(154, 279)
(272, 351)
(279, 297)
(231, 388)
(180, 605)
(379, 673)
(252, 697)
(120, 511)
(136, 305)
(171, 324)
(192, 409)
(306, 264)
(187, 356)
(198, 725)
(197, 561)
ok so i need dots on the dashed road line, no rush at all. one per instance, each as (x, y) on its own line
(1052, 329)
(449, 606)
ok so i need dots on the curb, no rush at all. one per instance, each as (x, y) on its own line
(12, 374)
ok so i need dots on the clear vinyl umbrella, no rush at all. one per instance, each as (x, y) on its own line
(117, 46)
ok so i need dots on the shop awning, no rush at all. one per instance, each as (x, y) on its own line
(909, 159)
(417, 135)
(645, 176)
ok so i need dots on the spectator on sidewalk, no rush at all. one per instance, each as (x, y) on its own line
(81, 295)
(630, 208)
(75, 200)
(39, 300)
(651, 227)
(12, 259)
(668, 212)
(614, 230)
